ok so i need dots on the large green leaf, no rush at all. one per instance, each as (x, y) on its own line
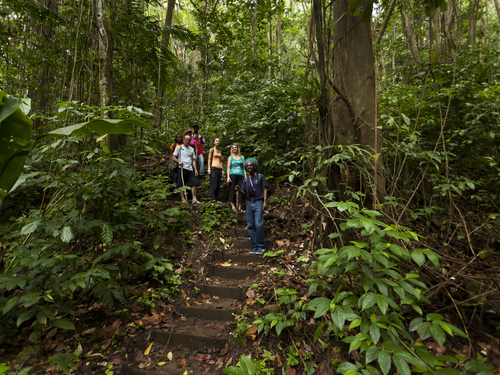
(15, 135)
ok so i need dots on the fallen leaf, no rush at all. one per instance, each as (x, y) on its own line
(183, 294)
(290, 371)
(146, 352)
(117, 361)
(440, 350)
(110, 331)
(200, 357)
(224, 351)
(182, 362)
(86, 332)
(79, 350)
(250, 293)
(225, 264)
(324, 368)
(106, 344)
(170, 356)
(185, 373)
(161, 363)
(215, 327)
(154, 320)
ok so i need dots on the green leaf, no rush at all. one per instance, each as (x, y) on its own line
(10, 104)
(321, 305)
(31, 227)
(451, 371)
(418, 257)
(106, 234)
(247, 365)
(63, 324)
(317, 334)
(384, 360)
(477, 367)
(338, 317)
(438, 334)
(374, 333)
(368, 301)
(382, 303)
(25, 316)
(232, 370)
(401, 364)
(372, 354)
(29, 298)
(10, 305)
(66, 234)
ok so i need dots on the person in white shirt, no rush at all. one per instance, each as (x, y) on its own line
(185, 156)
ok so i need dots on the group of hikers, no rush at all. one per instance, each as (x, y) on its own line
(187, 154)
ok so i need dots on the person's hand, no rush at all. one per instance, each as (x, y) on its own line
(196, 173)
(236, 188)
(208, 170)
(181, 164)
(264, 206)
(228, 180)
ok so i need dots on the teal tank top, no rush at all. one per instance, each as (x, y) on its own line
(237, 166)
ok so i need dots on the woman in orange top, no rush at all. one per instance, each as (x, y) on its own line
(215, 170)
(178, 142)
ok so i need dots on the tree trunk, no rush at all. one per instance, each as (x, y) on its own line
(471, 39)
(166, 41)
(386, 21)
(448, 21)
(278, 43)
(105, 65)
(410, 36)
(354, 83)
(254, 31)
(497, 7)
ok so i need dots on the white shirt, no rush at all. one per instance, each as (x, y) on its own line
(187, 156)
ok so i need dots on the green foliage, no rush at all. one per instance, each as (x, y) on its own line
(371, 290)
(65, 360)
(247, 366)
(214, 216)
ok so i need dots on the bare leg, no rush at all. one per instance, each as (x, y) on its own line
(183, 197)
(193, 190)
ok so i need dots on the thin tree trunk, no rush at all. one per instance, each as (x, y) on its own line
(471, 39)
(497, 7)
(278, 42)
(410, 36)
(166, 41)
(254, 31)
(386, 21)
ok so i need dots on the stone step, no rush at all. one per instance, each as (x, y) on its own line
(188, 340)
(244, 257)
(231, 272)
(220, 291)
(216, 309)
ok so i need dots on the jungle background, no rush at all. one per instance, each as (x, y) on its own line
(383, 115)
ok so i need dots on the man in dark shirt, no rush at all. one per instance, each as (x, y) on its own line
(254, 188)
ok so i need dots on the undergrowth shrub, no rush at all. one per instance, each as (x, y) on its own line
(367, 293)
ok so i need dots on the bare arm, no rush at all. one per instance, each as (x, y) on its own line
(210, 154)
(243, 161)
(228, 169)
(194, 167)
(265, 197)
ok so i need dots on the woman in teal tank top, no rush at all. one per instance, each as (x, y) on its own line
(235, 174)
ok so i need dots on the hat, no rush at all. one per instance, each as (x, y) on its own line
(251, 160)
(188, 131)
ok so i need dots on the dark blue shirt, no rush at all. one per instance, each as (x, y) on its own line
(259, 183)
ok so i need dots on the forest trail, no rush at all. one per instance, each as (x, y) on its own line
(200, 338)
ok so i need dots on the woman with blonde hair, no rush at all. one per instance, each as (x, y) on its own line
(235, 174)
(215, 170)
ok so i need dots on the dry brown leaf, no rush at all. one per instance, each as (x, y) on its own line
(86, 332)
(290, 371)
(324, 368)
(183, 294)
(252, 329)
(106, 344)
(440, 350)
(250, 293)
(224, 351)
(170, 356)
(146, 352)
(182, 362)
(202, 357)
(215, 326)
(110, 331)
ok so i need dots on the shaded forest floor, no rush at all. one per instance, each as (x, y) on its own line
(113, 339)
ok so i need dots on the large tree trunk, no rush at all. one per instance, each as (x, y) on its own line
(354, 83)
(410, 36)
(448, 21)
(278, 43)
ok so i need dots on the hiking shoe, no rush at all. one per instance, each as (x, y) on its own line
(254, 251)
(259, 251)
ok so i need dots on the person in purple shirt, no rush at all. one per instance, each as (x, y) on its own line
(254, 188)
